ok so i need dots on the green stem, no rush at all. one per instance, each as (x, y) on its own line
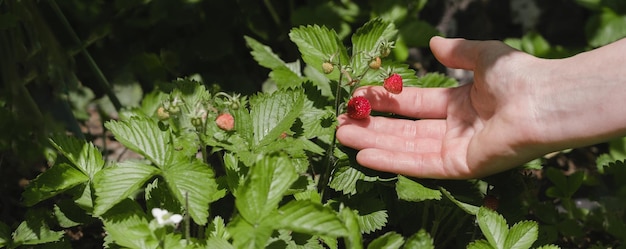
(102, 80)
(272, 11)
(325, 178)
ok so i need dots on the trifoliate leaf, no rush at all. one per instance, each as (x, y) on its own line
(142, 135)
(366, 41)
(390, 240)
(53, 181)
(273, 114)
(193, 182)
(263, 54)
(420, 240)
(84, 156)
(410, 190)
(493, 226)
(522, 235)
(309, 217)
(264, 187)
(317, 45)
(118, 182)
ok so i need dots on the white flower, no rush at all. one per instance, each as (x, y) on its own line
(164, 217)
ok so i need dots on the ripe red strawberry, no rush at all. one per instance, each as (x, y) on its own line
(491, 202)
(225, 121)
(359, 108)
(393, 83)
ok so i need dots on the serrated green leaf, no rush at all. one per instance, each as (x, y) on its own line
(116, 183)
(390, 240)
(410, 190)
(285, 77)
(480, 244)
(247, 236)
(158, 195)
(263, 54)
(273, 114)
(420, 240)
(493, 226)
(522, 235)
(244, 125)
(468, 208)
(142, 135)
(372, 221)
(317, 45)
(217, 229)
(193, 182)
(264, 187)
(350, 221)
(126, 225)
(85, 156)
(68, 214)
(346, 177)
(35, 230)
(309, 217)
(53, 181)
(218, 243)
(377, 77)
(367, 39)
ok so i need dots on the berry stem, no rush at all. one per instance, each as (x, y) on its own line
(330, 152)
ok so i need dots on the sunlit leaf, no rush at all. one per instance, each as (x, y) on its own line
(273, 114)
(522, 235)
(309, 217)
(493, 226)
(55, 180)
(143, 136)
(317, 45)
(420, 240)
(118, 182)
(390, 240)
(410, 190)
(264, 187)
(263, 54)
(193, 183)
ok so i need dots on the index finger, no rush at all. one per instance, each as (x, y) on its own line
(412, 102)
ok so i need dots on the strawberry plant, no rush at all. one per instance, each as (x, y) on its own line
(219, 170)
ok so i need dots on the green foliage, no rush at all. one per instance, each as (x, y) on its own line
(278, 179)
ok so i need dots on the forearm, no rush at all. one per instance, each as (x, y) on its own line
(585, 98)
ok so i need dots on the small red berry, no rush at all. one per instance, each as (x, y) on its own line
(491, 202)
(359, 108)
(225, 121)
(375, 63)
(393, 83)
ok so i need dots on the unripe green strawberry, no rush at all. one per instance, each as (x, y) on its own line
(225, 121)
(197, 122)
(359, 108)
(375, 63)
(393, 83)
(328, 67)
(162, 114)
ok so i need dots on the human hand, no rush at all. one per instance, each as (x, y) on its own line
(465, 132)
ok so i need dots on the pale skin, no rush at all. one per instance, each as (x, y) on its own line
(518, 108)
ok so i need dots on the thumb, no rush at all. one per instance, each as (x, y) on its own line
(461, 53)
